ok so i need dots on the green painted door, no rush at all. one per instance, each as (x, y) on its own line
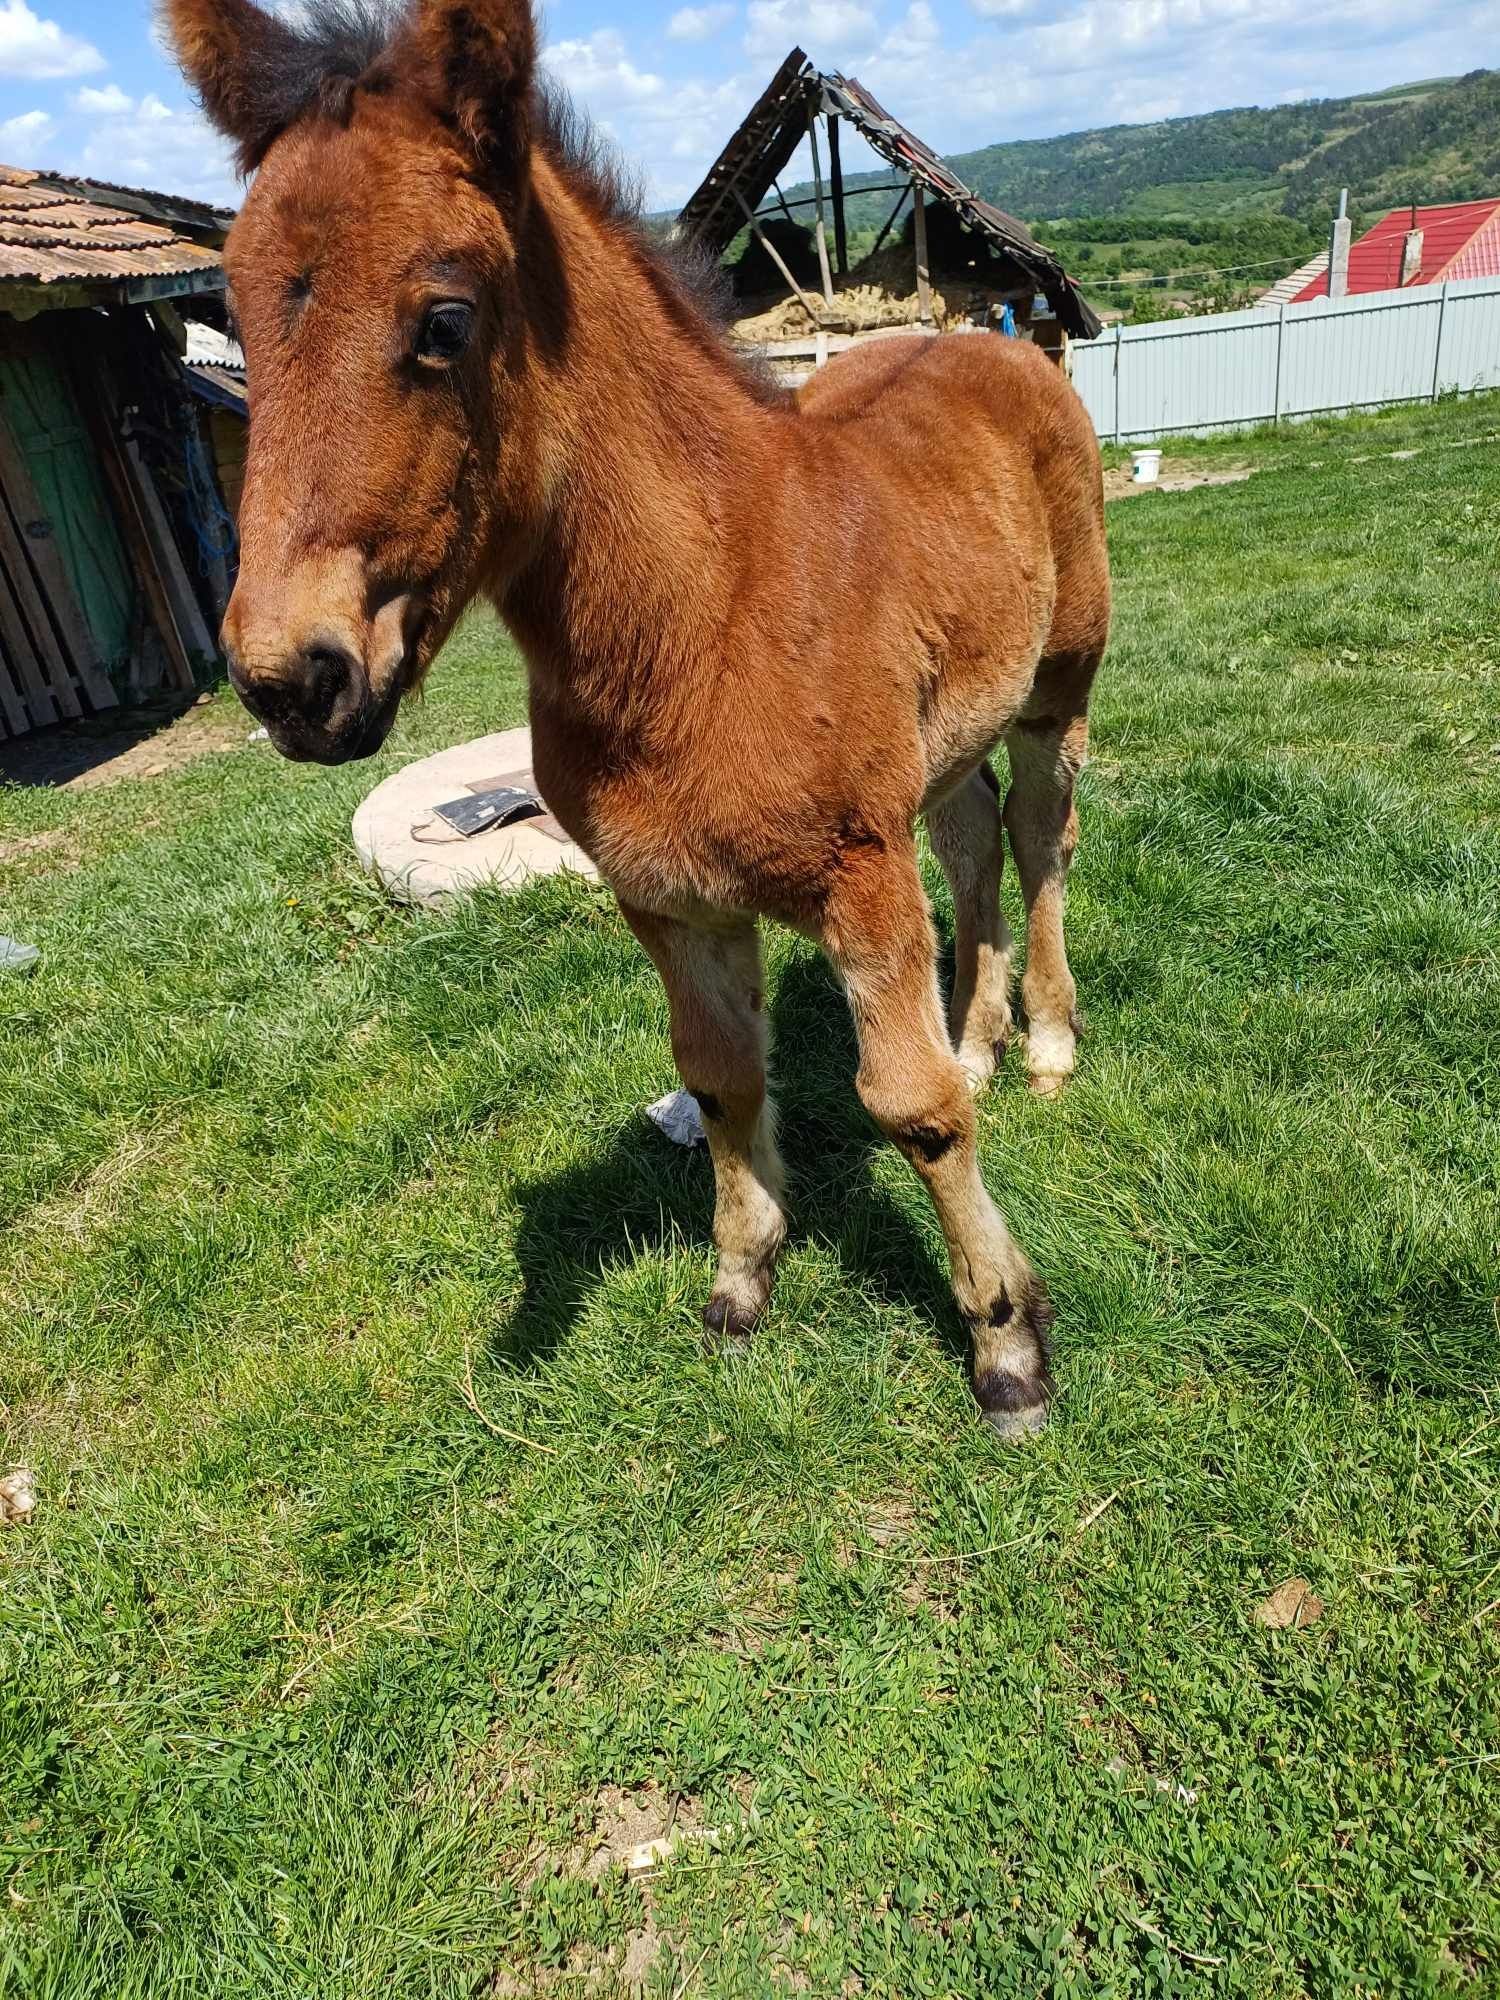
(48, 426)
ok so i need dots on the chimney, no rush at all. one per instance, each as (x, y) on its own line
(1411, 250)
(1338, 251)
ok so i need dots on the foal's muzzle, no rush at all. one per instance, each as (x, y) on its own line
(329, 693)
(320, 708)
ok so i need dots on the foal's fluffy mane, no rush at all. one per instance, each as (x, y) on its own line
(313, 61)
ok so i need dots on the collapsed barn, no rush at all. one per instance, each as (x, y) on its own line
(116, 547)
(942, 259)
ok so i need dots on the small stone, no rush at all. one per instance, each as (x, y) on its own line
(17, 1499)
(1291, 1605)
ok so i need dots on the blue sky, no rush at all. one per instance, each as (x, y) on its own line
(85, 87)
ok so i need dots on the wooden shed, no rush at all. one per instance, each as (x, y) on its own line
(1028, 290)
(116, 548)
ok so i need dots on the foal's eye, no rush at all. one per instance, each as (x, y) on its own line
(445, 331)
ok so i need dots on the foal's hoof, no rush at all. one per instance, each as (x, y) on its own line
(1014, 1406)
(727, 1327)
(1015, 1426)
(1012, 1376)
(981, 1065)
(1049, 1059)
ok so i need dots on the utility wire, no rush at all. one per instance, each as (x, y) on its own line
(1172, 277)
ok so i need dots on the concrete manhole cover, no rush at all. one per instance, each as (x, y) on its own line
(420, 859)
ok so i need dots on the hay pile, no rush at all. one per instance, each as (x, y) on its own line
(857, 307)
(970, 280)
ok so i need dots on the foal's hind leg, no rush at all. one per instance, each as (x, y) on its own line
(966, 837)
(879, 935)
(715, 988)
(1046, 756)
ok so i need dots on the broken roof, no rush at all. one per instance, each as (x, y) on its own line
(777, 122)
(118, 243)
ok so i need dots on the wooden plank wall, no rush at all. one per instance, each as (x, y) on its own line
(49, 667)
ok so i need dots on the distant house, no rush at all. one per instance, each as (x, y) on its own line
(1418, 246)
(116, 547)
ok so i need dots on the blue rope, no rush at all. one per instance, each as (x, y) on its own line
(205, 508)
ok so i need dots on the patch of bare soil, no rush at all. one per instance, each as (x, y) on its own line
(635, 1830)
(633, 1833)
(1177, 476)
(144, 742)
(55, 850)
(761, 1613)
(885, 1529)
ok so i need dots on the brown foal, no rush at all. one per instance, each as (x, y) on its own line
(764, 632)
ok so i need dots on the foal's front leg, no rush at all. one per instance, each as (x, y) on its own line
(878, 932)
(716, 991)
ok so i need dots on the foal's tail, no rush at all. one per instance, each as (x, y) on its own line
(987, 772)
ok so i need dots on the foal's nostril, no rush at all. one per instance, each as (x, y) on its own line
(326, 672)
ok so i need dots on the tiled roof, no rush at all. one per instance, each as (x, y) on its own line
(50, 232)
(1295, 284)
(1459, 240)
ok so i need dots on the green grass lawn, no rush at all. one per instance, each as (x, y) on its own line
(399, 1557)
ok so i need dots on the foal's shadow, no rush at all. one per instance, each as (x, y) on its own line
(631, 1198)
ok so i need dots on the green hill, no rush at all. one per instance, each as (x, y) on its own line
(1432, 141)
(1206, 212)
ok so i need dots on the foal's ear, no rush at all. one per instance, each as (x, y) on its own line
(479, 57)
(227, 49)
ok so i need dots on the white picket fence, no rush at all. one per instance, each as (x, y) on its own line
(1260, 367)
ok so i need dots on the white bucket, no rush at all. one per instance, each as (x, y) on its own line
(1145, 468)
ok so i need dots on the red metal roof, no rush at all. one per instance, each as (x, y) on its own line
(1460, 240)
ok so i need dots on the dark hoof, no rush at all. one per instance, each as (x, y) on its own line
(1077, 1023)
(726, 1327)
(1000, 1049)
(1015, 1403)
(1014, 1406)
(1015, 1426)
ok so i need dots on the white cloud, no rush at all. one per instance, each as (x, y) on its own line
(32, 47)
(696, 24)
(600, 72)
(1011, 69)
(110, 102)
(1039, 67)
(914, 35)
(152, 144)
(21, 136)
(830, 30)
